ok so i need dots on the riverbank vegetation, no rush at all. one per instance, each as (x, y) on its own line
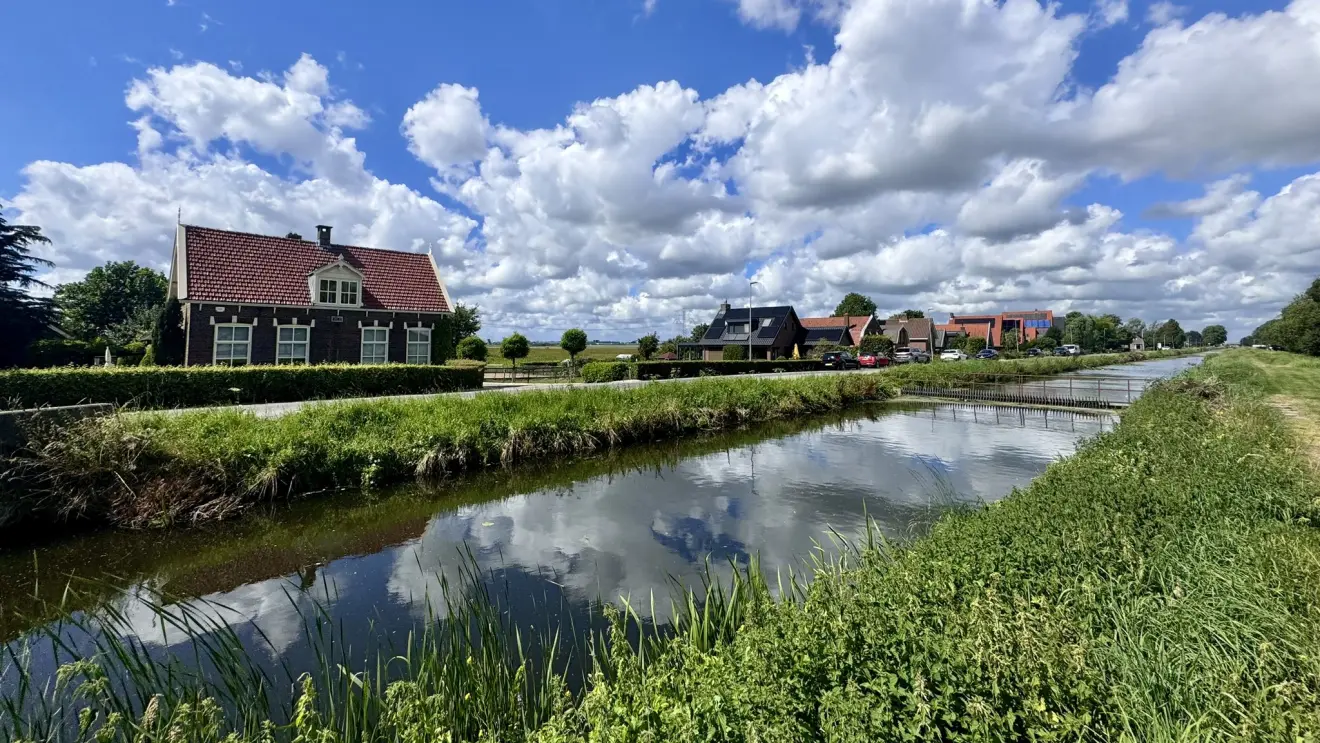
(1162, 584)
(148, 469)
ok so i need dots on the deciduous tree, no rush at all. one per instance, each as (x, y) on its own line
(113, 299)
(574, 341)
(699, 331)
(1215, 335)
(647, 345)
(472, 348)
(908, 315)
(515, 347)
(167, 333)
(466, 321)
(856, 305)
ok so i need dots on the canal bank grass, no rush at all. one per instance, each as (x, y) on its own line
(155, 469)
(1162, 584)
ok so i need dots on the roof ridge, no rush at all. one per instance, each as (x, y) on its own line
(301, 240)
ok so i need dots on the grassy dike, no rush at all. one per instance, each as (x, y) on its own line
(1161, 584)
(158, 469)
(151, 470)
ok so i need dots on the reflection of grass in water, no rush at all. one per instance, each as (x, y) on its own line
(279, 541)
(471, 671)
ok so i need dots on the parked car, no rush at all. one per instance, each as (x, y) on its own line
(987, 353)
(1061, 351)
(1035, 352)
(872, 360)
(1073, 350)
(838, 360)
(903, 355)
(952, 354)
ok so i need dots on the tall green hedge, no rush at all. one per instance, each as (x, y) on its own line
(168, 387)
(671, 369)
(606, 371)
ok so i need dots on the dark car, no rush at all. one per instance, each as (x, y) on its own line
(1035, 352)
(1061, 351)
(838, 360)
(987, 353)
(872, 360)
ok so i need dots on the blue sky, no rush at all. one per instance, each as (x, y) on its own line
(1058, 172)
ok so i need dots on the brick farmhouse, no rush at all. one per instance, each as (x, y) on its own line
(256, 299)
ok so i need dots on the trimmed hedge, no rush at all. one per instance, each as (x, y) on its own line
(169, 387)
(672, 369)
(606, 371)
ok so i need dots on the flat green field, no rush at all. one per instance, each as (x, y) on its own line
(544, 354)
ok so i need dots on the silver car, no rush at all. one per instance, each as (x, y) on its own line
(904, 354)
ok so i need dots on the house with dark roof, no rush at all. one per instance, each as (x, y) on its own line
(1028, 324)
(256, 299)
(845, 330)
(769, 332)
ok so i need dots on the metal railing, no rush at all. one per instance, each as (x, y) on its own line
(1093, 391)
(532, 373)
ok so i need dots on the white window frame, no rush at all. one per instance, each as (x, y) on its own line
(306, 344)
(329, 291)
(231, 360)
(339, 292)
(386, 343)
(418, 358)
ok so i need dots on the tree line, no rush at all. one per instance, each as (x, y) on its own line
(1296, 329)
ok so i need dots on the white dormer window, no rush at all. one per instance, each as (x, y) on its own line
(336, 285)
(339, 291)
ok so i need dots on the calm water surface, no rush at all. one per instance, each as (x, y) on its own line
(554, 542)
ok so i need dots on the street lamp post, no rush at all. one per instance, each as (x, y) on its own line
(750, 327)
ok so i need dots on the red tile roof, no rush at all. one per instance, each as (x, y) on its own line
(238, 267)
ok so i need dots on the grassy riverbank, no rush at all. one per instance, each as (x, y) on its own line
(144, 470)
(158, 469)
(1163, 583)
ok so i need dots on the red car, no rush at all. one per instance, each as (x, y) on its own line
(872, 360)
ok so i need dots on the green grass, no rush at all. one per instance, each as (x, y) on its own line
(555, 354)
(1163, 584)
(157, 469)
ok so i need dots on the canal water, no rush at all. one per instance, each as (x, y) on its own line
(552, 543)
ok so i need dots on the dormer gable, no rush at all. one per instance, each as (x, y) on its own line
(336, 284)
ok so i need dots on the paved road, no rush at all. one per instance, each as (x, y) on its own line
(277, 409)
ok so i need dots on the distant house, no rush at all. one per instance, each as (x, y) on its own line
(256, 299)
(918, 332)
(844, 330)
(769, 332)
(1029, 324)
(1138, 344)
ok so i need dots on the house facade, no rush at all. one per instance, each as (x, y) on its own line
(768, 332)
(258, 299)
(917, 332)
(1029, 324)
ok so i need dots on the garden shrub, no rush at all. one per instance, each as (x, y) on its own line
(735, 353)
(472, 348)
(606, 371)
(167, 387)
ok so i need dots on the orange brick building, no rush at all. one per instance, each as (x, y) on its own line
(1030, 324)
